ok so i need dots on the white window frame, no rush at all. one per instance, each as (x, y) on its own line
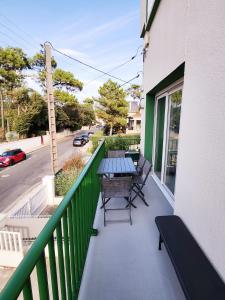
(176, 86)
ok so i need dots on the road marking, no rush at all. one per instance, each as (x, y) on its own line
(5, 175)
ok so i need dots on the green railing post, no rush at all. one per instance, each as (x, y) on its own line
(72, 223)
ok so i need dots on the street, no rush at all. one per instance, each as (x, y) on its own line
(17, 179)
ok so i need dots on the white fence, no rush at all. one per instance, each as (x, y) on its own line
(31, 144)
(35, 202)
(11, 249)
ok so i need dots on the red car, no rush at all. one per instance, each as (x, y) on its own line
(9, 158)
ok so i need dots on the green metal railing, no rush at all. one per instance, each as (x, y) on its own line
(68, 233)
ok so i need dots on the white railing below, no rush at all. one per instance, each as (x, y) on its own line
(11, 249)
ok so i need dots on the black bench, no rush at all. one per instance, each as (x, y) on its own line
(198, 279)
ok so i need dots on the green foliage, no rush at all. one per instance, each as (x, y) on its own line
(12, 62)
(88, 113)
(64, 79)
(112, 105)
(135, 91)
(95, 138)
(38, 60)
(73, 112)
(64, 181)
(69, 173)
(124, 142)
(64, 97)
(89, 101)
(30, 115)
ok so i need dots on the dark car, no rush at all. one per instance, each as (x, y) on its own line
(78, 141)
(85, 137)
(9, 158)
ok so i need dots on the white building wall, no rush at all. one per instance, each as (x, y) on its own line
(200, 184)
(191, 31)
(166, 46)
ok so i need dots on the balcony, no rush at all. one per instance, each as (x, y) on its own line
(121, 262)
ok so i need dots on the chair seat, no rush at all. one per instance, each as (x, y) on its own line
(138, 179)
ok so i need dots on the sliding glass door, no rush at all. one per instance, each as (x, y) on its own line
(160, 117)
(166, 137)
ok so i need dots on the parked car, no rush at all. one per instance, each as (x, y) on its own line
(78, 141)
(90, 133)
(9, 158)
(85, 137)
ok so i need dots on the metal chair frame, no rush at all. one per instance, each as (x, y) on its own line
(139, 182)
(120, 187)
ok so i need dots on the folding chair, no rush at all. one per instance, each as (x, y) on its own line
(140, 164)
(116, 153)
(116, 188)
(139, 181)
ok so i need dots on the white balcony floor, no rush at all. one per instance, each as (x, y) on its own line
(123, 261)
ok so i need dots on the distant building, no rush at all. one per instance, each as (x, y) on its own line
(134, 117)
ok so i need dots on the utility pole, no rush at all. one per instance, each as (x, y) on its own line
(51, 108)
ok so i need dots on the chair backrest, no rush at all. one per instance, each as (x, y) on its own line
(141, 163)
(117, 187)
(116, 153)
(146, 171)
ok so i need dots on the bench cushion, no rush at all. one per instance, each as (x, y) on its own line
(196, 274)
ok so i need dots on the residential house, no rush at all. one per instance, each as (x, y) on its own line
(183, 124)
(134, 117)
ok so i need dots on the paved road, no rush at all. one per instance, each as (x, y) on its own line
(16, 180)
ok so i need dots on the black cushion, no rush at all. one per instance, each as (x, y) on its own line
(196, 274)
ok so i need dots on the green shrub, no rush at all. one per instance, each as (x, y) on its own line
(65, 179)
(117, 142)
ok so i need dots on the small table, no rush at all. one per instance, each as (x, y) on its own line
(121, 165)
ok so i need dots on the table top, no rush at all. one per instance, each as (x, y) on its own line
(116, 166)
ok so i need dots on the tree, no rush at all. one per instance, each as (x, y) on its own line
(135, 91)
(12, 62)
(62, 98)
(88, 113)
(112, 105)
(33, 113)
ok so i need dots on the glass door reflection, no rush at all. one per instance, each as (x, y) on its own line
(172, 139)
(160, 115)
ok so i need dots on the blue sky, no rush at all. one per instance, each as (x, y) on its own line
(101, 33)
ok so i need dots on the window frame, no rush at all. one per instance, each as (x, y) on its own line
(176, 86)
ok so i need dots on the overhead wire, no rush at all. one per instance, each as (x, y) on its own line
(119, 66)
(16, 34)
(86, 64)
(138, 75)
(35, 42)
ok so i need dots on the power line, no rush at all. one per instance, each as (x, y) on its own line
(16, 34)
(130, 80)
(20, 29)
(119, 66)
(12, 39)
(87, 65)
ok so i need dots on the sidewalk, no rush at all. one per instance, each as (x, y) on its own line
(35, 143)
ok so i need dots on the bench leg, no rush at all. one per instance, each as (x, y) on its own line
(160, 242)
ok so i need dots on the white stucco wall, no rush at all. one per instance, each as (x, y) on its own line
(166, 42)
(191, 31)
(200, 185)
(167, 46)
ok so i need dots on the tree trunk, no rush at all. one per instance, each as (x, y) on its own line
(111, 129)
